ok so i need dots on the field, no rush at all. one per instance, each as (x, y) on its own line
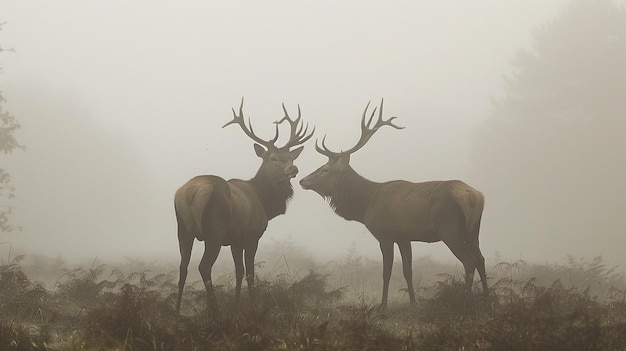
(300, 305)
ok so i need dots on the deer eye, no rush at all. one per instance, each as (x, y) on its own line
(274, 159)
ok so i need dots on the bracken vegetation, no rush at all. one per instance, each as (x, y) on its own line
(577, 306)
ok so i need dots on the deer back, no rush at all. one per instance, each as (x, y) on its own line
(404, 207)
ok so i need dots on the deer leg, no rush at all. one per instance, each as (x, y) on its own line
(237, 252)
(451, 237)
(211, 251)
(478, 256)
(450, 227)
(250, 252)
(480, 266)
(185, 244)
(407, 269)
(467, 259)
(386, 248)
(480, 259)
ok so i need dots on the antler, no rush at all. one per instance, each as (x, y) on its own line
(248, 129)
(324, 150)
(367, 131)
(298, 134)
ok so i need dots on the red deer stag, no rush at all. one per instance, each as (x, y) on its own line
(236, 212)
(400, 211)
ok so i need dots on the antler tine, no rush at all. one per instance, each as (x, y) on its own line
(324, 150)
(298, 134)
(273, 140)
(365, 126)
(381, 122)
(367, 131)
(235, 117)
(247, 129)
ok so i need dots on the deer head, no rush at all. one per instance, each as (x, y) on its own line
(326, 179)
(277, 163)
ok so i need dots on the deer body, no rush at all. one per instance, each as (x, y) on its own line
(236, 212)
(403, 210)
(235, 203)
(399, 212)
(249, 215)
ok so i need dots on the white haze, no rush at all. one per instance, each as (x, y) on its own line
(121, 102)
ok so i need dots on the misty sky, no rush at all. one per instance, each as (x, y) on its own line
(122, 102)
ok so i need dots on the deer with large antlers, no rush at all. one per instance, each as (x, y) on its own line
(236, 212)
(399, 212)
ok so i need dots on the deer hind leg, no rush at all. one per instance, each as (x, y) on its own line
(480, 265)
(250, 253)
(452, 233)
(214, 233)
(386, 248)
(449, 224)
(185, 244)
(211, 251)
(237, 252)
(407, 269)
(463, 254)
(467, 259)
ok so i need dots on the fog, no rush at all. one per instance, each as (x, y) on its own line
(122, 102)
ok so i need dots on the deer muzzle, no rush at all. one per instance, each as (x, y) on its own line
(291, 171)
(305, 183)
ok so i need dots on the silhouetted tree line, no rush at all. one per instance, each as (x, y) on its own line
(551, 158)
(8, 143)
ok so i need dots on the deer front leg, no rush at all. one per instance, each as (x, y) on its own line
(386, 247)
(250, 253)
(407, 269)
(237, 252)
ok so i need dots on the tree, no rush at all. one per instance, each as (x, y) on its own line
(551, 156)
(8, 143)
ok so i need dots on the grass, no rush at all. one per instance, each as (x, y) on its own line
(102, 308)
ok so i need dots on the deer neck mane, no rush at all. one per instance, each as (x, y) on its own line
(273, 195)
(352, 197)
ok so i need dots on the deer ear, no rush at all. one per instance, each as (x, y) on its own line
(260, 150)
(296, 152)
